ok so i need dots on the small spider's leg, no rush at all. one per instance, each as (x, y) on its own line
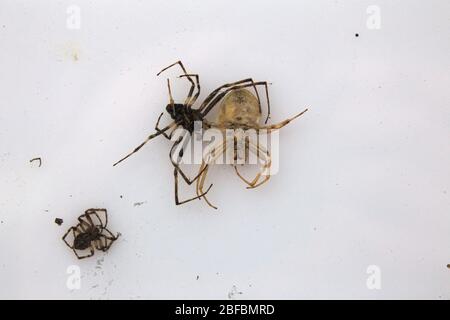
(83, 225)
(103, 245)
(108, 242)
(110, 237)
(280, 124)
(191, 100)
(191, 90)
(219, 96)
(146, 140)
(177, 201)
(90, 254)
(216, 91)
(99, 245)
(66, 234)
(94, 212)
(106, 216)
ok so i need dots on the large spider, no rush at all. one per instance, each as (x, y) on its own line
(240, 111)
(184, 115)
(90, 233)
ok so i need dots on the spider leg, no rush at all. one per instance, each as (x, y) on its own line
(263, 155)
(84, 225)
(268, 102)
(218, 97)
(91, 248)
(192, 100)
(146, 140)
(177, 201)
(157, 129)
(99, 245)
(94, 212)
(110, 235)
(176, 164)
(280, 124)
(228, 85)
(66, 234)
(211, 156)
(188, 76)
(200, 184)
(171, 101)
(177, 170)
(214, 93)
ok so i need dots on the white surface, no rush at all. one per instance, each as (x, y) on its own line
(364, 177)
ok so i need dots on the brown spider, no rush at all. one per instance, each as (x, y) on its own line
(184, 115)
(90, 233)
(239, 109)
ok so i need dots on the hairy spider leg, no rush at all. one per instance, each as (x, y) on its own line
(263, 155)
(280, 124)
(191, 90)
(219, 96)
(177, 170)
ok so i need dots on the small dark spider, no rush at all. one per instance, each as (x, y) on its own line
(90, 233)
(183, 115)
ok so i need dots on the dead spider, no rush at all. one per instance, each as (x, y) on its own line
(239, 109)
(90, 233)
(184, 115)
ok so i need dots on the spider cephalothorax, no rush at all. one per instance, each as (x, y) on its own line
(83, 240)
(184, 116)
(90, 233)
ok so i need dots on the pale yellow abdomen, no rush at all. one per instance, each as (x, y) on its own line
(239, 109)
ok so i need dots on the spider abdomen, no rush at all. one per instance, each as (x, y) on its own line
(239, 109)
(82, 241)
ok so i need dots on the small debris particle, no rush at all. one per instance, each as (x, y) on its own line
(121, 196)
(357, 35)
(448, 266)
(137, 204)
(59, 221)
(198, 277)
(37, 159)
(233, 292)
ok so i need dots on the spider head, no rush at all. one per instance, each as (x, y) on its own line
(175, 110)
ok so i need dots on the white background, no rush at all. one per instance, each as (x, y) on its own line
(364, 177)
